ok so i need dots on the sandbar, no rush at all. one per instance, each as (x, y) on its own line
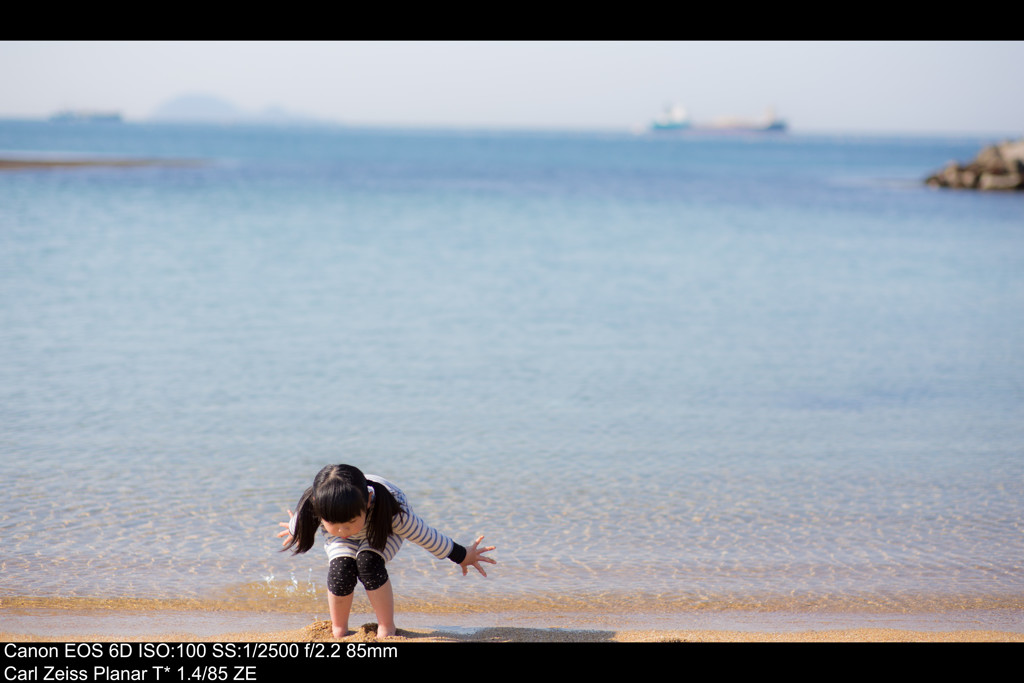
(34, 164)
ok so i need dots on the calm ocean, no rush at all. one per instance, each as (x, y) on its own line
(660, 374)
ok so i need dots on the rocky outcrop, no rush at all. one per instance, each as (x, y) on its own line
(997, 167)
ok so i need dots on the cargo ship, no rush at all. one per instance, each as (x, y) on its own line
(675, 118)
(767, 123)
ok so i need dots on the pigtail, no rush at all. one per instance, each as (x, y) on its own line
(306, 524)
(378, 519)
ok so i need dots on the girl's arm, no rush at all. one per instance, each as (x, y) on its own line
(289, 529)
(474, 556)
(411, 526)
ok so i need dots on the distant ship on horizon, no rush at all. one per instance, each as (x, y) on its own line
(676, 118)
(86, 116)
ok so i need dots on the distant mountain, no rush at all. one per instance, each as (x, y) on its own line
(202, 108)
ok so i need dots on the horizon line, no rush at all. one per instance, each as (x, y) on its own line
(635, 129)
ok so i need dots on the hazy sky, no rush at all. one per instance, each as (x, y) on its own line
(923, 87)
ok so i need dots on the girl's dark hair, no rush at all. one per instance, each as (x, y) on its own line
(339, 494)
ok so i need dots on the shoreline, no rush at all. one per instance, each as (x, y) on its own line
(106, 625)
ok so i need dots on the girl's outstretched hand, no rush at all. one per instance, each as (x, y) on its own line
(287, 533)
(474, 556)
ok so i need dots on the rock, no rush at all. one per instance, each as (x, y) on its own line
(991, 160)
(1001, 181)
(1013, 152)
(997, 167)
(951, 175)
(969, 177)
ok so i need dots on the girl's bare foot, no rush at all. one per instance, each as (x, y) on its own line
(339, 631)
(383, 632)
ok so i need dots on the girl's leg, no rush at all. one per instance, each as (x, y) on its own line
(383, 601)
(341, 585)
(340, 606)
(374, 576)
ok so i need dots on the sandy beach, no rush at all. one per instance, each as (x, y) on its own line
(320, 631)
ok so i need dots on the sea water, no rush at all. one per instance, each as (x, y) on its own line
(660, 374)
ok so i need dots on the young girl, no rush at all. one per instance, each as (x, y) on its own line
(365, 519)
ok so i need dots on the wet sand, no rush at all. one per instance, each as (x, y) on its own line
(320, 631)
